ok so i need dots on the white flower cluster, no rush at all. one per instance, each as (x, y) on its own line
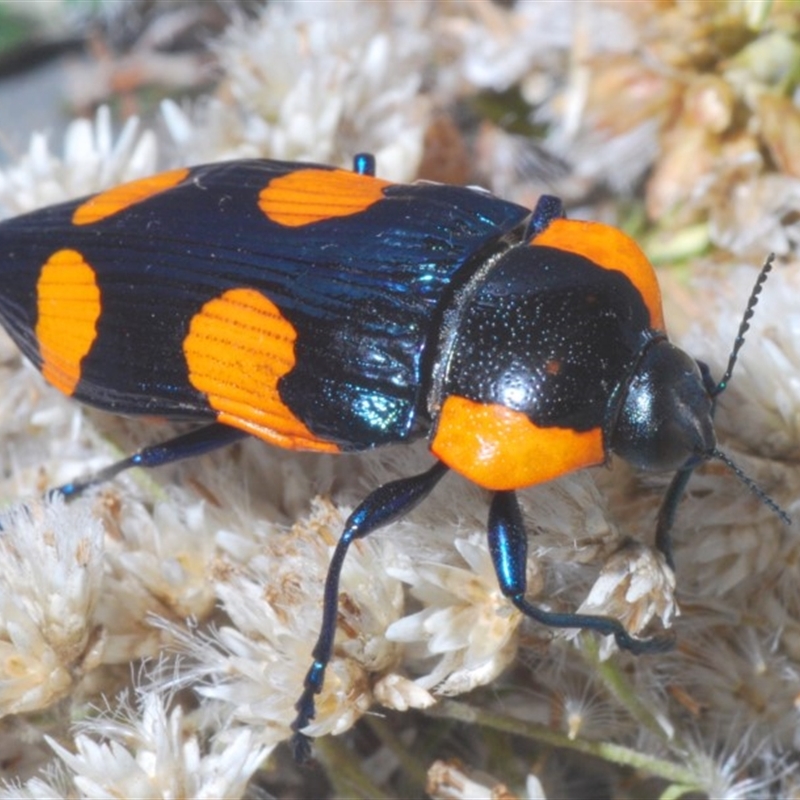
(316, 82)
(92, 160)
(148, 751)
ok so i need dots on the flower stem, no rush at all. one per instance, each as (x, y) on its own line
(613, 753)
(414, 770)
(342, 769)
(624, 690)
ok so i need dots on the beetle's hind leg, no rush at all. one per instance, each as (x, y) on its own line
(187, 445)
(508, 545)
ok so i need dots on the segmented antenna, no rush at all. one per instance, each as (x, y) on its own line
(722, 385)
(751, 485)
(666, 514)
(744, 326)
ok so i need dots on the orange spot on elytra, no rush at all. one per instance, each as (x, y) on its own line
(68, 304)
(238, 347)
(611, 249)
(499, 448)
(311, 195)
(105, 204)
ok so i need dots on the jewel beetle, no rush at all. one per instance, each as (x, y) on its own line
(324, 309)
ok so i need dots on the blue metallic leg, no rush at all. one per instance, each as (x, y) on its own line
(386, 504)
(508, 545)
(547, 209)
(364, 164)
(677, 486)
(187, 445)
(666, 514)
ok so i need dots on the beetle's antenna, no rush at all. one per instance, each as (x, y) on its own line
(743, 328)
(751, 485)
(723, 384)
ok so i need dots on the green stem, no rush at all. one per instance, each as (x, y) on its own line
(412, 767)
(613, 753)
(342, 769)
(624, 690)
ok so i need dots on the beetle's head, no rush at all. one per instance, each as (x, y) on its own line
(664, 421)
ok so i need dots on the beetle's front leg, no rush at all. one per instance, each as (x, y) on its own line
(508, 546)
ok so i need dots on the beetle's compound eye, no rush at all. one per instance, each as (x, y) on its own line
(665, 420)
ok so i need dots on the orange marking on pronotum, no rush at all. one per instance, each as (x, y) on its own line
(311, 195)
(119, 198)
(610, 249)
(238, 347)
(499, 448)
(69, 305)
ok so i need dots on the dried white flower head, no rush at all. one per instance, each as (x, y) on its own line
(93, 160)
(157, 563)
(255, 670)
(401, 693)
(465, 618)
(38, 789)
(451, 781)
(495, 47)
(317, 82)
(51, 570)
(148, 751)
(634, 586)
